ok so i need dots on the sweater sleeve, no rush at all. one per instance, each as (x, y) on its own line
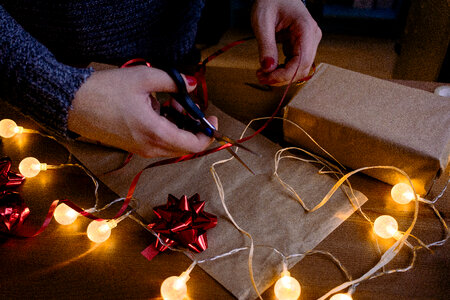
(32, 80)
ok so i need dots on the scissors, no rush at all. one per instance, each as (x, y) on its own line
(201, 123)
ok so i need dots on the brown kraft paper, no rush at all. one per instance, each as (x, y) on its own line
(258, 203)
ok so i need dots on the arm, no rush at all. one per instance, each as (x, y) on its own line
(112, 107)
(33, 80)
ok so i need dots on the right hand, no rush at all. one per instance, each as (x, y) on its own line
(289, 22)
(114, 107)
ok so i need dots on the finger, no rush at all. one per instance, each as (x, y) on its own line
(154, 103)
(175, 141)
(177, 106)
(156, 80)
(281, 76)
(263, 21)
(304, 47)
(307, 48)
(304, 40)
(205, 140)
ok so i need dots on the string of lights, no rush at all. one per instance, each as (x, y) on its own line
(286, 287)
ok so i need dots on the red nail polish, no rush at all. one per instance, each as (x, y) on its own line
(191, 80)
(267, 63)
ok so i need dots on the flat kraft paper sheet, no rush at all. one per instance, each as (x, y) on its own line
(365, 121)
(258, 203)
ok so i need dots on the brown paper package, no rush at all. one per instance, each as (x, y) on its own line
(365, 121)
(257, 202)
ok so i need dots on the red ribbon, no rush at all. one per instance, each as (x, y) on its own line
(8, 178)
(181, 222)
(28, 232)
(13, 211)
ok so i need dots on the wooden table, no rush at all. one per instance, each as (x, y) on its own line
(63, 263)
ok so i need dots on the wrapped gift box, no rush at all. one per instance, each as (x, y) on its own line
(364, 121)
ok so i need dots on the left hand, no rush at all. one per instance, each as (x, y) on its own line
(289, 22)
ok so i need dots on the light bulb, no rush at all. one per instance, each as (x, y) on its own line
(443, 91)
(402, 193)
(385, 227)
(287, 287)
(30, 167)
(65, 215)
(99, 231)
(341, 297)
(9, 128)
(174, 287)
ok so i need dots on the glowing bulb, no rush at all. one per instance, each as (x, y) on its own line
(402, 193)
(30, 167)
(9, 128)
(385, 227)
(287, 287)
(99, 231)
(65, 215)
(174, 287)
(341, 297)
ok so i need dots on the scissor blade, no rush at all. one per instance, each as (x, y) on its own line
(240, 160)
(237, 157)
(220, 137)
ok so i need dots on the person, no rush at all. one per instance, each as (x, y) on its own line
(41, 41)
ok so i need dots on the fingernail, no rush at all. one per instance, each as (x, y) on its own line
(267, 63)
(191, 80)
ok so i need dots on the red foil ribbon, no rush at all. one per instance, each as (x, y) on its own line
(181, 222)
(28, 233)
(201, 91)
(13, 211)
(9, 179)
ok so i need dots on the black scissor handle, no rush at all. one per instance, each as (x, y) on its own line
(183, 97)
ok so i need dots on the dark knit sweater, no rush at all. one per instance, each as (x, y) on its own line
(41, 39)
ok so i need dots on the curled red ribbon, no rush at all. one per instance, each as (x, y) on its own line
(181, 222)
(8, 178)
(29, 232)
(13, 211)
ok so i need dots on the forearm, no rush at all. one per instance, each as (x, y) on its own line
(33, 80)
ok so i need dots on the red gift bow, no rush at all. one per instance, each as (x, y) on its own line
(13, 211)
(8, 179)
(181, 222)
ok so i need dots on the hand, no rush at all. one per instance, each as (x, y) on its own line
(114, 107)
(289, 22)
